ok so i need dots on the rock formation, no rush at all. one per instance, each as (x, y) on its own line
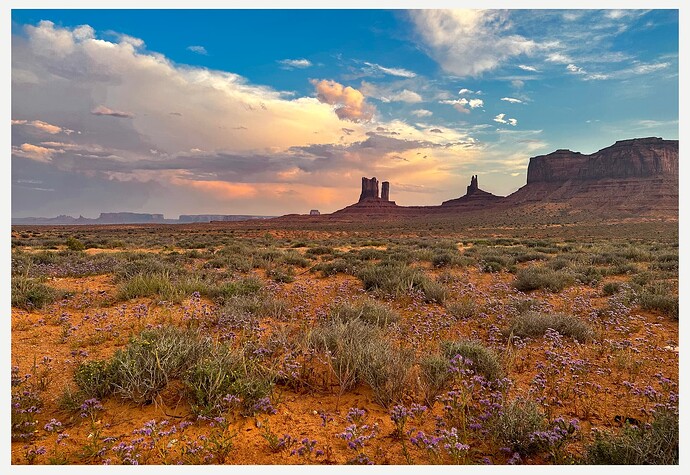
(370, 188)
(314, 212)
(474, 197)
(385, 191)
(635, 176)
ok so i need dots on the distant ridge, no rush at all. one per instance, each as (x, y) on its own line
(135, 218)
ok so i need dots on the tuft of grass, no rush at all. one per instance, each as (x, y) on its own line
(533, 278)
(369, 311)
(95, 378)
(74, 244)
(515, 425)
(30, 294)
(534, 324)
(653, 444)
(485, 361)
(399, 279)
(434, 376)
(386, 371)
(153, 358)
(463, 309)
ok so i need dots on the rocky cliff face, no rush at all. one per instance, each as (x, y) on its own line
(641, 158)
(635, 176)
(370, 188)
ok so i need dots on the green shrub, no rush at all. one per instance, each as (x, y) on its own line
(532, 278)
(515, 425)
(386, 370)
(74, 244)
(611, 288)
(95, 378)
(462, 309)
(30, 294)
(369, 311)
(656, 444)
(485, 361)
(145, 366)
(666, 304)
(150, 285)
(434, 376)
(211, 378)
(534, 324)
(397, 279)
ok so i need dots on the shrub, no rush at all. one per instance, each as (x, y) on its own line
(150, 360)
(485, 361)
(397, 279)
(611, 288)
(346, 344)
(386, 370)
(240, 287)
(532, 278)
(74, 244)
(29, 294)
(462, 309)
(666, 304)
(653, 444)
(516, 423)
(369, 311)
(210, 379)
(95, 378)
(534, 324)
(434, 376)
(149, 285)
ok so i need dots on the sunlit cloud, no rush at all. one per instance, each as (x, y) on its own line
(295, 63)
(198, 50)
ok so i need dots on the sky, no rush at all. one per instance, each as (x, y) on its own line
(272, 112)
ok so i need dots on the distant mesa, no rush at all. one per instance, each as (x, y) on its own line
(314, 212)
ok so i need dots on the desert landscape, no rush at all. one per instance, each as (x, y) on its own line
(490, 331)
(298, 238)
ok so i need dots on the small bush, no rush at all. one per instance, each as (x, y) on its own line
(95, 378)
(535, 324)
(74, 244)
(656, 444)
(434, 375)
(397, 279)
(30, 294)
(533, 278)
(462, 309)
(485, 361)
(515, 425)
(152, 359)
(611, 288)
(369, 311)
(386, 370)
(666, 304)
(211, 378)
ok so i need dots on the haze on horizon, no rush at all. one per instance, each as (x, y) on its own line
(268, 112)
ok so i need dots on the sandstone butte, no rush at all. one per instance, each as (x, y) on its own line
(636, 176)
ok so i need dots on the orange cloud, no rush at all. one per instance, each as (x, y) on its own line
(349, 102)
(220, 189)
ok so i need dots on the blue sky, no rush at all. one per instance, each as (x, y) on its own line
(281, 111)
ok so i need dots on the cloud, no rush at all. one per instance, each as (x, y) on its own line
(295, 63)
(524, 67)
(558, 58)
(405, 96)
(459, 104)
(422, 113)
(34, 152)
(500, 118)
(469, 42)
(43, 126)
(512, 100)
(102, 110)
(399, 72)
(464, 90)
(349, 102)
(198, 50)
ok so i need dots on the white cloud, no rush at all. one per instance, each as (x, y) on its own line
(464, 90)
(295, 63)
(524, 67)
(558, 58)
(399, 72)
(469, 42)
(198, 50)
(405, 96)
(500, 118)
(474, 103)
(512, 100)
(422, 113)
